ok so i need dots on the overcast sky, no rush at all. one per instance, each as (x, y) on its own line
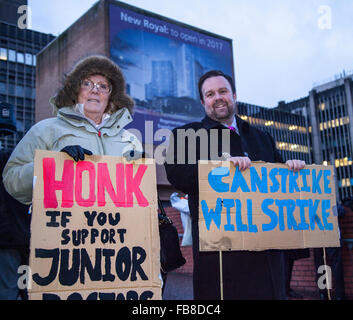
(281, 47)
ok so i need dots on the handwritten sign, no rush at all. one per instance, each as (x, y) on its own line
(94, 230)
(266, 207)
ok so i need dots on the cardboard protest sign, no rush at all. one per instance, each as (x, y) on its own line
(94, 230)
(266, 207)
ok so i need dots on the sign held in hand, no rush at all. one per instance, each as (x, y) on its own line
(94, 230)
(266, 207)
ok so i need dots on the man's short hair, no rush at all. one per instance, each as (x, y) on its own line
(211, 74)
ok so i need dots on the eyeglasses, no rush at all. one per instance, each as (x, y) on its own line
(101, 86)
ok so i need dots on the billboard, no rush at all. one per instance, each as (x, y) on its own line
(162, 61)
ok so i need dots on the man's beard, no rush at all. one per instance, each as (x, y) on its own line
(223, 115)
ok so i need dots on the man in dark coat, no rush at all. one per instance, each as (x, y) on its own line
(246, 275)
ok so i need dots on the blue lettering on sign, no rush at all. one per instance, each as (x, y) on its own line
(210, 215)
(282, 215)
(252, 227)
(281, 212)
(304, 173)
(293, 185)
(275, 184)
(280, 204)
(290, 206)
(257, 182)
(215, 179)
(327, 189)
(302, 204)
(284, 174)
(241, 227)
(325, 207)
(273, 216)
(239, 181)
(316, 181)
(228, 203)
(313, 216)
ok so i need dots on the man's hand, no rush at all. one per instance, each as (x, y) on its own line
(243, 162)
(295, 165)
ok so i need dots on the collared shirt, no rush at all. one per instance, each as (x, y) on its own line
(209, 123)
(79, 109)
(234, 125)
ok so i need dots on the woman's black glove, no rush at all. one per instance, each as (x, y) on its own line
(76, 152)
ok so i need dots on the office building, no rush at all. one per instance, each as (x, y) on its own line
(329, 110)
(18, 49)
(290, 131)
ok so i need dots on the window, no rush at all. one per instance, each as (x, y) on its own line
(28, 59)
(19, 91)
(3, 54)
(12, 67)
(36, 37)
(12, 31)
(2, 88)
(12, 55)
(28, 102)
(11, 89)
(28, 124)
(29, 70)
(3, 29)
(28, 91)
(20, 126)
(20, 57)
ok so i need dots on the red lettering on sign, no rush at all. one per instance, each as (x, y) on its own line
(133, 185)
(66, 185)
(80, 168)
(104, 183)
(127, 184)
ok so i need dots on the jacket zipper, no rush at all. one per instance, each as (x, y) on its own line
(100, 142)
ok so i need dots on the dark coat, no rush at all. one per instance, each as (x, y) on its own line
(246, 275)
(14, 218)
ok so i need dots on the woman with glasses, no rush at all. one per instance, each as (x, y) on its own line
(92, 109)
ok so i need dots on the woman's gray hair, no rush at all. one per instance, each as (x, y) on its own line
(94, 65)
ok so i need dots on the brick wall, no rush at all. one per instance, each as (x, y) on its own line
(348, 270)
(303, 276)
(347, 251)
(85, 37)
